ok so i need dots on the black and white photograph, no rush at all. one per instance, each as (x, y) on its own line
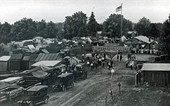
(84, 52)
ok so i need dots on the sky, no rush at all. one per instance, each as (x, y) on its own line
(56, 10)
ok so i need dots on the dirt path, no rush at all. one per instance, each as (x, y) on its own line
(92, 91)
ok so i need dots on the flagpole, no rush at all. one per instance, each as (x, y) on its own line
(121, 20)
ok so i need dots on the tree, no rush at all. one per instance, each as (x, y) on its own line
(92, 25)
(166, 37)
(75, 25)
(154, 31)
(50, 30)
(5, 30)
(112, 25)
(41, 26)
(142, 27)
(24, 29)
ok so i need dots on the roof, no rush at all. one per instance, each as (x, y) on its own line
(33, 57)
(47, 63)
(156, 67)
(16, 56)
(44, 50)
(39, 74)
(144, 39)
(41, 67)
(5, 58)
(37, 88)
(75, 58)
(47, 56)
(11, 79)
(26, 58)
(64, 74)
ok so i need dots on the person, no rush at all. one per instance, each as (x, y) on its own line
(112, 72)
(120, 56)
(111, 94)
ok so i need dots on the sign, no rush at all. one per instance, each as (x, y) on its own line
(110, 49)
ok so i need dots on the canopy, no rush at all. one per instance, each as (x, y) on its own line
(39, 74)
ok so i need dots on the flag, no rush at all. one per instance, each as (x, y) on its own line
(119, 8)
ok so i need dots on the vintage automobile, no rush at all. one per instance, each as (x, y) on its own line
(34, 96)
(64, 81)
(80, 71)
(11, 93)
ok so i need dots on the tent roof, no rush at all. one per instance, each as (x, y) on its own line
(37, 88)
(156, 67)
(39, 74)
(5, 58)
(47, 63)
(11, 79)
(41, 67)
(144, 39)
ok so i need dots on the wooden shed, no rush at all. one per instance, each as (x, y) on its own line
(4, 64)
(155, 74)
(15, 62)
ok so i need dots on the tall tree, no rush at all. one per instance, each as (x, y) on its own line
(142, 27)
(41, 26)
(75, 25)
(165, 44)
(5, 30)
(112, 25)
(50, 30)
(24, 29)
(154, 31)
(92, 25)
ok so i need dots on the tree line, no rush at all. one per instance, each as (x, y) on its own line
(77, 25)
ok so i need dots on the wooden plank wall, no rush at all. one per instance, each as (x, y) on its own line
(157, 78)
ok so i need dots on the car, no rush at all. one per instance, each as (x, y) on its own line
(34, 96)
(65, 80)
(10, 93)
(80, 71)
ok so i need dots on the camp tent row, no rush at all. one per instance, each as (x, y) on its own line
(20, 62)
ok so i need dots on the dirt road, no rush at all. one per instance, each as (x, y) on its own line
(93, 90)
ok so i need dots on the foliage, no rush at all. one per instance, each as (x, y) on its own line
(143, 26)
(92, 25)
(154, 30)
(165, 38)
(112, 25)
(75, 25)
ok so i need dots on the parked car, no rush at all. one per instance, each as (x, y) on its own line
(34, 96)
(80, 71)
(11, 93)
(65, 80)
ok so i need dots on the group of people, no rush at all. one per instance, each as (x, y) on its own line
(119, 56)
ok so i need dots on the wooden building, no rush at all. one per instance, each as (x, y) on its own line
(154, 74)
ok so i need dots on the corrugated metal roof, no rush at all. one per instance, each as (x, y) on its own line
(5, 58)
(47, 63)
(156, 67)
(16, 56)
(33, 57)
(48, 56)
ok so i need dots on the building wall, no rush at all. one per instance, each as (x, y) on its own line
(156, 78)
